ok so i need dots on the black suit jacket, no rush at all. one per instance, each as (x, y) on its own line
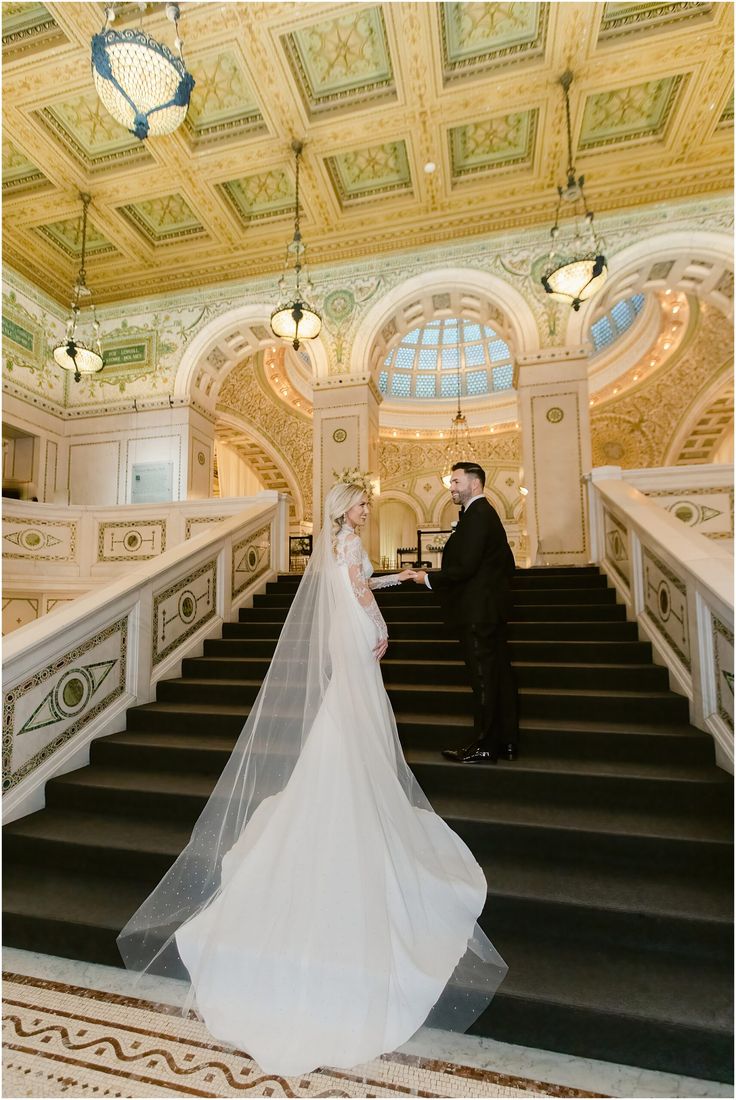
(474, 582)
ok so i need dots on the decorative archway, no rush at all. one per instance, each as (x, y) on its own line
(699, 263)
(223, 343)
(463, 292)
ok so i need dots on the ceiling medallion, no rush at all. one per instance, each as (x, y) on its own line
(140, 82)
(294, 318)
(73, 355)
(577, 266)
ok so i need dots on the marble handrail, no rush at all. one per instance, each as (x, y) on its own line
(677, 584)
(71, 676)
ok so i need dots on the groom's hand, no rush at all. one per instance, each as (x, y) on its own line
(420, 576)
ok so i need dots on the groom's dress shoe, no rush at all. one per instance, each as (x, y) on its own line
(471, 755)
(509, 752)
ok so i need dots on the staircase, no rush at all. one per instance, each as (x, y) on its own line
(607, 845)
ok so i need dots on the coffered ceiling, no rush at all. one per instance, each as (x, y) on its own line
(377, 91)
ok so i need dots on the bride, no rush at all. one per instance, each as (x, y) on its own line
(322, 910)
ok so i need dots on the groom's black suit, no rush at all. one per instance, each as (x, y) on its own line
(474, 585)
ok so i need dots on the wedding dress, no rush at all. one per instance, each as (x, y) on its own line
(322, 909)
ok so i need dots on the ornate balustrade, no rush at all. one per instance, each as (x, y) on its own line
(678, 585)
(52, 554)
(70, 677)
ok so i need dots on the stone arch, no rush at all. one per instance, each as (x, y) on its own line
(259, 451)
(698, 263)
(704, 425)
(405, 501)
(224, 342)
(443, 292)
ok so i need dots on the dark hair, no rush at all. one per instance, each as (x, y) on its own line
(472, 469)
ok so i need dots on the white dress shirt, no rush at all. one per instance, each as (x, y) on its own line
(478, 496)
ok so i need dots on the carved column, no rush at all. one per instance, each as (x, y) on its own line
(346, 436)
(555, 439)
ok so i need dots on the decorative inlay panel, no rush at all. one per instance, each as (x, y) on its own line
(377, 170)
(90, 134)
(665, 604)
(251, 559)
(197, 525)
(488, 144)
(627, 19)
(122, 540)
(617, 546)
(341, 62)
(19, 611)
(723, 660)
(67, 235)
(708, 510)
(478, 36)
(42, 540)
(182, 608)
(638, 112)
(43, 712)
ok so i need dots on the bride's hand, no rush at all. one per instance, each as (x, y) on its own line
(407, 575)
(380, 649)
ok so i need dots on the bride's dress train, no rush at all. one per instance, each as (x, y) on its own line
(345, 906)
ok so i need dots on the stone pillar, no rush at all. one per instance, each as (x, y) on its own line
(556, 452)
(346, 436)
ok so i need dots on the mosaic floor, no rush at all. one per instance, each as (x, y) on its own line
(80, 1029)
(65, 1040)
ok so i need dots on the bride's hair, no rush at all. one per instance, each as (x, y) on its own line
(338, 502)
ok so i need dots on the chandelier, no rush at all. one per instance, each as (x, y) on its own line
(577, 266)
(140, 82)
(73, 354)
(294, 318)
(458, 447)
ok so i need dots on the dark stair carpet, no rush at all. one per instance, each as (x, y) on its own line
(607, 845)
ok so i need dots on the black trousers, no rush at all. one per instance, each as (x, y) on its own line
(488, 660)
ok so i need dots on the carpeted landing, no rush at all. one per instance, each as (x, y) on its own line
(607, 845)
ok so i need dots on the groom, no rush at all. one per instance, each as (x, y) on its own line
(474, 584)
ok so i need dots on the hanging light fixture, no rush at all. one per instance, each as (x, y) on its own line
(577, 266)
(140, 82)
(294, 318)
(73, 354)
(458, 447)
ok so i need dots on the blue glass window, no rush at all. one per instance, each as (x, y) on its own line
(613, 324)
(450, 358)
(475, 355)
(426, 385)
(503, 377)
(449, 385)
(428, 359)
(412, 337)
(383, 381)
(498, 351)
(404, 358)
(401, 385)
(477, 382)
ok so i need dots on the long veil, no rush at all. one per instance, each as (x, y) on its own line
(321, 637)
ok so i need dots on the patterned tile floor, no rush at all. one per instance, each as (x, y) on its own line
(72, 1029)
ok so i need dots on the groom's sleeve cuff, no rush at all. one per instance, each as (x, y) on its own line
(426, 581)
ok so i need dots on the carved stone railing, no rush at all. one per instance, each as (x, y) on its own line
(700, 496)
(71, 676)
(678, 586)
(52, 554)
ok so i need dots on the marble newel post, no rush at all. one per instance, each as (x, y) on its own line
(555, 438)
(346, 436)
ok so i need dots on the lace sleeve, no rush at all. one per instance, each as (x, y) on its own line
(353, 556)
(383, 582)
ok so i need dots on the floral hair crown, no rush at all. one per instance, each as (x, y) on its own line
(356, 477)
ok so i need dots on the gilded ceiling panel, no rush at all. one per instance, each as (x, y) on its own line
(164, 219)
(67, 235)
(622, 20)
(726, 119)
(477, 36)
(222, 102)
(263, 195)
(90, 134)
(493, 143)
(343, 61)
(27, 28)
(628, 114)
(19, 173)
(378, 170)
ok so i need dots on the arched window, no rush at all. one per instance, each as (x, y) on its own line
(613, 324)
(433, 360)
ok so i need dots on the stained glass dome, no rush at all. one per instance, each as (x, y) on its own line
(613, 324)
(433, 360)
